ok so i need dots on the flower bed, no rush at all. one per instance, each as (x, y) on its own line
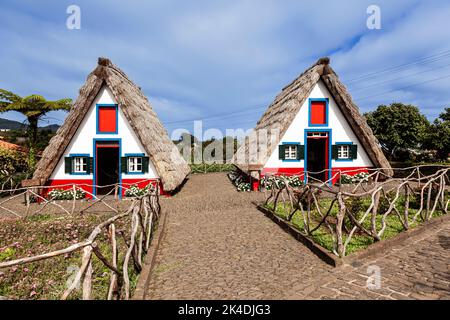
(279, 181)
(357, 178)
(239, 180)
(59, 194)
(135, 191)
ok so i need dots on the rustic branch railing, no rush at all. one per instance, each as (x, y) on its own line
(385, 196)
(30, 192)
(143, 211)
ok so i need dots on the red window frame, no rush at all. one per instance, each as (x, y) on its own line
(107, 119)
(318, 113)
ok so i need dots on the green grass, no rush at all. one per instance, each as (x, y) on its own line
(7, 254)
(39, 217)
(359, 241)
(211, 167)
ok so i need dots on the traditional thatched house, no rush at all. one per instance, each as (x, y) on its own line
(111, 135)
(313, 125)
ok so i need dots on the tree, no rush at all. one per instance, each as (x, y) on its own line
(33, 107)
(398, 127)
(439, 135)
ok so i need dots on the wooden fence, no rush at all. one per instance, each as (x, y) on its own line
(142, 211)
(430, 195)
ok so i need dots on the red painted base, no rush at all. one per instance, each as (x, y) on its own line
(143, 183)
(86, 185)
(335, 172)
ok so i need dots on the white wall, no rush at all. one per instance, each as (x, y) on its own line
(87, 132)
(341, 132)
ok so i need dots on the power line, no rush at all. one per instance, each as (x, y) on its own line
(400, 78)
(403, 88)
(220, 121)
(424, 60)
(222, 115)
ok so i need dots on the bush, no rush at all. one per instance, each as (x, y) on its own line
(244, 186)
(59, 194)
(240, 181)
(135, 191)
(11, 162)
(348, 179)
(293, 181)
(211, 167)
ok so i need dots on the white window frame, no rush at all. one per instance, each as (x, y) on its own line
(79, 164)
(317, 134)
(134, 163)
(343, 151)
(290, 152)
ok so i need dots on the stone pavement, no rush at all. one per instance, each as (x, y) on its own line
(217, 245)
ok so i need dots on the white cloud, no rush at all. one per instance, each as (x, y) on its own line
(196, 59)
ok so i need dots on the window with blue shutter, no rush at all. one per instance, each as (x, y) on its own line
(291, 151)
(78, 164)
(135, 163)
(344, 151)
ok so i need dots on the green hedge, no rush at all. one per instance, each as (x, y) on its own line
(211, 167)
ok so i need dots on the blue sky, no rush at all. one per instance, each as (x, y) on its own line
(225, 61)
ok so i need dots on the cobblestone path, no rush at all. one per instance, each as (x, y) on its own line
(217, 245)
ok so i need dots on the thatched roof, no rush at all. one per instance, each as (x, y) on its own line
(170, 166)
(287, 104)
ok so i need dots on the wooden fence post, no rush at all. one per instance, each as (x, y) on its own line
(340, 221)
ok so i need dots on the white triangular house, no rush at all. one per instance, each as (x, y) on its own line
(313, 126)
(111, 136)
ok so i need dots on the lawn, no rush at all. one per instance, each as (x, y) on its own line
(47, 279)
(357, 206)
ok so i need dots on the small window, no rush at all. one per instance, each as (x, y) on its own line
(318, 109)
(317, 134)
(290, 152)
(343, 152)
(134, 164)
(107, 119)
(79, 164)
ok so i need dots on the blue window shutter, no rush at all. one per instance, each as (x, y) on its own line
(124, 164)
(281, 154)
(145, 164)
(334, 151)
(90, 165)
(68, 165)
(300, 152)
(353, 151)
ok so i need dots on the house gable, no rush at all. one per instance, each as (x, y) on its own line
(87, 133)
(171, 168)
(252, 156)
(339, 127)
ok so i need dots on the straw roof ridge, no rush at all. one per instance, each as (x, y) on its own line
(282, 111)
(169, 164)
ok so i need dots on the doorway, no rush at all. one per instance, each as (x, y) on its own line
(317, 162)
(107, 166)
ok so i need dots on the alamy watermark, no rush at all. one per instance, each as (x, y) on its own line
(72, 271)
(73, 21)
(374, 280)
(373, 22)
(251, 148)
